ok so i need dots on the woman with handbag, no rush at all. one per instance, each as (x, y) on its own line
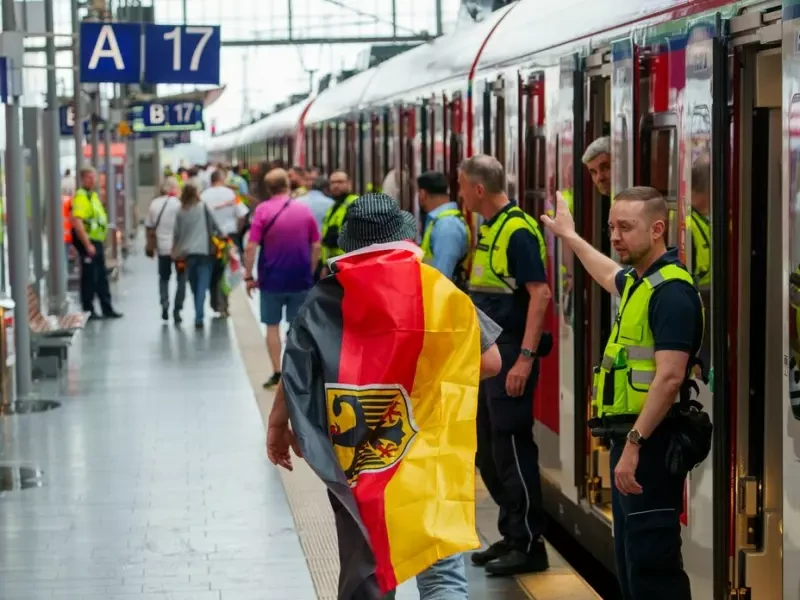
(194, 228)
(160, 225)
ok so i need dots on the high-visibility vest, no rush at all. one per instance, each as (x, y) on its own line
(93, 214)
(66, 212)
(622, 380)
(426, 239)
(301, 191)
(334, 218)
(490, 273)
(701, 242)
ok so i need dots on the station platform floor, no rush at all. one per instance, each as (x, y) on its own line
(150, 479)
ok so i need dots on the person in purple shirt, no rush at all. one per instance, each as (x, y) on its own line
(286, 235)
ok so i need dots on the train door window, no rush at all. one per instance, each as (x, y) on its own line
(532, 175)
(486, 120)
(500, 125)
(659, 163)
(455, 147)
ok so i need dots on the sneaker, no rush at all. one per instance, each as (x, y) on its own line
(199, 325)
(165, 314)
(272, 381)
(496, 550)
(517, 562)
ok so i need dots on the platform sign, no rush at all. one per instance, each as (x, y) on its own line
(66, 121)
(182, 54)
(110, 52)
(168, 117)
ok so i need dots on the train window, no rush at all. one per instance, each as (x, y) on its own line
(621, 159)
(500, 129)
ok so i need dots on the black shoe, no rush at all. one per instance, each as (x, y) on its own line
(165, 314)
(93, 316)
(272, 381)
(112, 315)
(177, 317)
(496, 550)
(517, 562)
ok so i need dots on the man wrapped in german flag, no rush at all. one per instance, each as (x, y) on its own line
(380, 386)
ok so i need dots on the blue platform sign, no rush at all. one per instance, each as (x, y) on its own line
(170, 116)
(182, 54)
(110, 52)
(4, 79)
(66, 121)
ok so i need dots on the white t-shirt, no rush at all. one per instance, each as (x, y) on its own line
(166, 225)
(225, 206)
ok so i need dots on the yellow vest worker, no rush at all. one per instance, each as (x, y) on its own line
(701, 250)
(622, 381)
(331, 225)
(88, 208)
(459, 276)
(490, 271)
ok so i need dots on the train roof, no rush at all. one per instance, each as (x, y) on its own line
(342, 98)
(425, 67)
(275, 125)
(537, 26)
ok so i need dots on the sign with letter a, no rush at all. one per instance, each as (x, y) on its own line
(110, 53)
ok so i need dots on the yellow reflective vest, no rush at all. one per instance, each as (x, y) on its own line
(622, 380)
(426, 239)
(91, 211)
(490, 273)
(334, 218)
(701, 243)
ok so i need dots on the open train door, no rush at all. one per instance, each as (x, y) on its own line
(791, 305)
(571, 313)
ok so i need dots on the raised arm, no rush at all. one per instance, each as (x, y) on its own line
(602, 269)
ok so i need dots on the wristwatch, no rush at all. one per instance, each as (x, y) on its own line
(527, 353)
(634, 437)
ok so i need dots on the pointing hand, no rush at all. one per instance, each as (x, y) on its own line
(563, 223)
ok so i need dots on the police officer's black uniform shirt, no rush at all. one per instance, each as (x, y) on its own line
(675, 310)
(525, 265)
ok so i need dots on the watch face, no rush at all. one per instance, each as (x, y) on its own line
(634, 436)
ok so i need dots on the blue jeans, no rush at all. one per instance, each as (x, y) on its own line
(444, 580)
(199, 269)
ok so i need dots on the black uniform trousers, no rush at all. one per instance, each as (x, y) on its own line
(647, 530)
(94, 280)
(508, 457)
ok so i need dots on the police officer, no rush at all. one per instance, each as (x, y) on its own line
(445, 238)
(508, 283)
(90, 226)
(646, 362)
(343, 197)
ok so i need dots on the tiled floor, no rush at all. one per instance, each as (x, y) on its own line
(155, 480)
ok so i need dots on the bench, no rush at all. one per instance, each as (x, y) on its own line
(51, 336)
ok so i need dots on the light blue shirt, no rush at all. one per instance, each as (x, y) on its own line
(319, 204)
(448, 240)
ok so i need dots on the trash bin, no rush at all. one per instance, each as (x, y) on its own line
(8, 381)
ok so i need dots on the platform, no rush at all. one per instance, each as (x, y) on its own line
(151, 479)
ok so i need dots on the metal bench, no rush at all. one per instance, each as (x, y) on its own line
(51, 336)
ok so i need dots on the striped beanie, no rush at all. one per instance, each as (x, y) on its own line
(375, 219)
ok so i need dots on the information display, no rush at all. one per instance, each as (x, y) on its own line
(156, 117)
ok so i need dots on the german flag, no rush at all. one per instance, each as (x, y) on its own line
(381, 379)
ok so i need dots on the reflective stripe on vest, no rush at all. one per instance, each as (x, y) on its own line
(490, 272)
(701, 242)
(622, 380)
(334, 218)
(426, 237)
(97, 223)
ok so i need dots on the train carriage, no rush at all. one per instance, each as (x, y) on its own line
(688, 92)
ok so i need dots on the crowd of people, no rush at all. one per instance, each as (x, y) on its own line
(296, 226)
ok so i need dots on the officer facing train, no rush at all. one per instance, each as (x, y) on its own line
(508, 283)
(646, 366)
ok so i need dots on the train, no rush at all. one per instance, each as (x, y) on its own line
(668, 80)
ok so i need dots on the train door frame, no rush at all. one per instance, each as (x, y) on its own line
(375, 151)
(423, 114)
(361, 159)
(598, 94)
(454, 148)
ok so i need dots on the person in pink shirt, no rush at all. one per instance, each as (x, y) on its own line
(287, 236)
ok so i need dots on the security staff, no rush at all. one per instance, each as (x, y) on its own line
(646, 362)
(508, 283)
(341, 193)
(699, 226)
(445, 238)
(90, 227)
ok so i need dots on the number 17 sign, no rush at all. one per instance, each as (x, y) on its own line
(181, 54)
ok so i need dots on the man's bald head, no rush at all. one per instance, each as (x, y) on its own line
(276, 181)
